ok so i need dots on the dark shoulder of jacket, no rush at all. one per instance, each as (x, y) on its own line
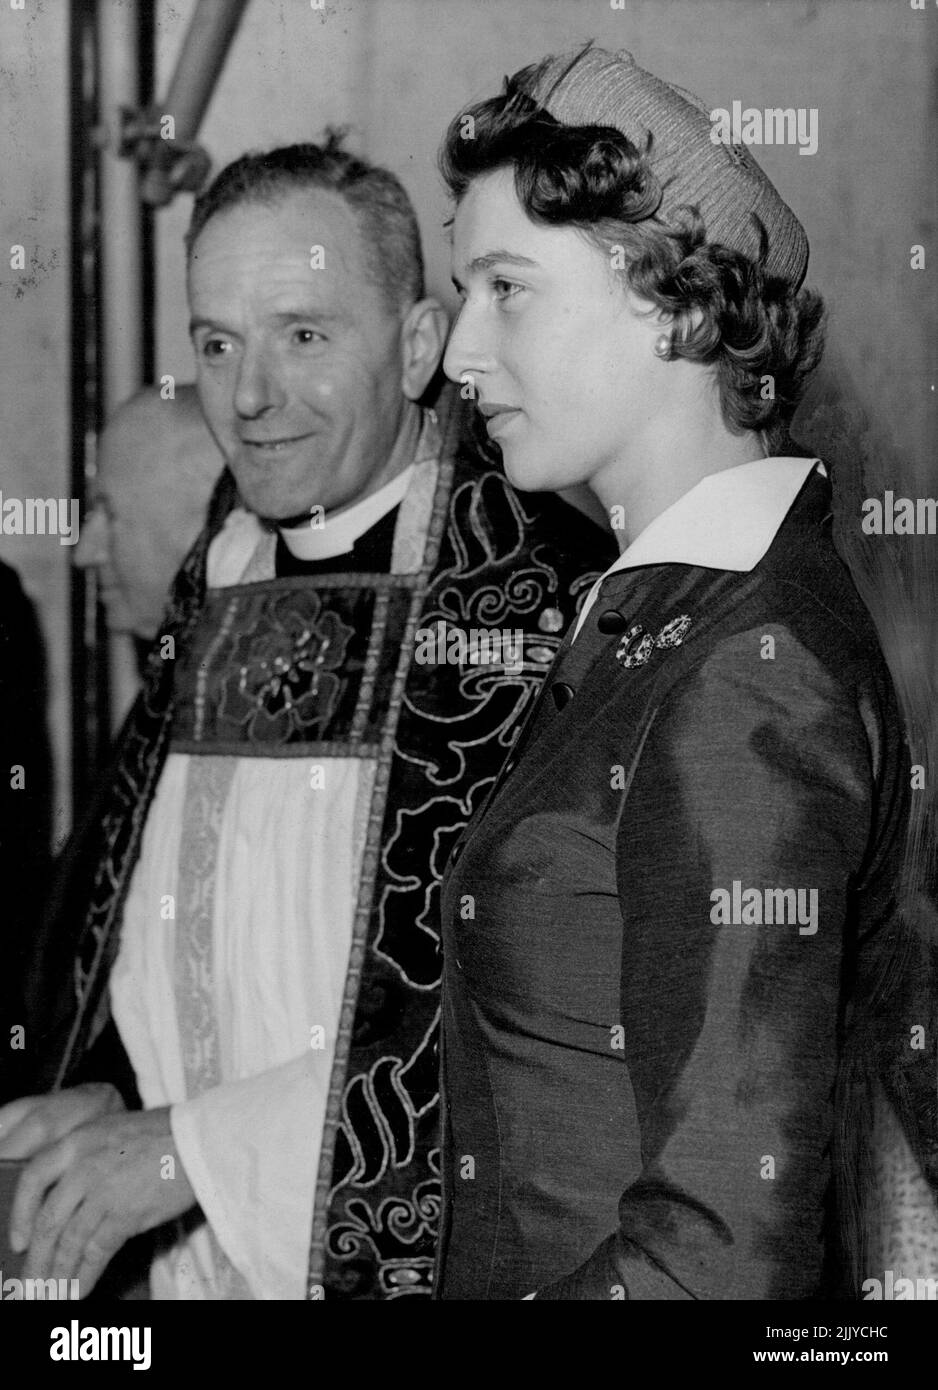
(809, 585)
(803, 586)
(801, 591)
(559, 530)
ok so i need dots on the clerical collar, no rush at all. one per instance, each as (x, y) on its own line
(337, 532)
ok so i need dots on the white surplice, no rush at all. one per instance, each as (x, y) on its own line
(234, 949)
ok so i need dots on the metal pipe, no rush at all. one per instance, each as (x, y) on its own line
(122, 320)
(176, 163)
(200, 62)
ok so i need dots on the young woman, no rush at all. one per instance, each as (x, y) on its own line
(673, 965)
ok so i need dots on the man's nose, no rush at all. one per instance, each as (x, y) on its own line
(93, 546)
(468, 352)
(257, 388)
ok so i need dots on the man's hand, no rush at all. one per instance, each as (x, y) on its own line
(81, 1198)
(29, 1124)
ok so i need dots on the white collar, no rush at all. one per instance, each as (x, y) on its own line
(338, 531)
(727, 521)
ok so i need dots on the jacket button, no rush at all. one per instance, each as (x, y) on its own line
(612, 621)
(561, 693)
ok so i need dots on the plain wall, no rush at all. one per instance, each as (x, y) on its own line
(34, 319)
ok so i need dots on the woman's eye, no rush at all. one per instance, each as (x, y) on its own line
(306, 336)
(504, 289)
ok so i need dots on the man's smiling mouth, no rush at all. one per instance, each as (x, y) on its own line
(274, 446)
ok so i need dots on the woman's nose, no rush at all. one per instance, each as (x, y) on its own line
(468, 353)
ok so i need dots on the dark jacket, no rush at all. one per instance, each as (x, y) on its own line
(640, 1097)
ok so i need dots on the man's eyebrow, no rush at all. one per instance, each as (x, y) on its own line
(284, 316)
(492, 258)
(197, 323)
(308, 312)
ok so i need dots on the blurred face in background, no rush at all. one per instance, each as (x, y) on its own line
(304, 369)
(157, 465)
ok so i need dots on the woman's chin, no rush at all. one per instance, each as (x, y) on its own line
(520, 470)
(529, 475)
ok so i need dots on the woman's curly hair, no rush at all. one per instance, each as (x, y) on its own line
(762, 337)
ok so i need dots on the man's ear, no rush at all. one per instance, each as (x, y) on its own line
(423, 338)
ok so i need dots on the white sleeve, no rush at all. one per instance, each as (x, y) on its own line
(250, 1149)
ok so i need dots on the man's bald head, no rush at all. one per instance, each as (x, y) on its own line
(157, 466)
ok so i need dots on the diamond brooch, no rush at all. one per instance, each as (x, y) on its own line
(637, 645)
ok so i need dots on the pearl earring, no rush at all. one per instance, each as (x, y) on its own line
(662, 346)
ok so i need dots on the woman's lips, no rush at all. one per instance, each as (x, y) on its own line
(499, 418)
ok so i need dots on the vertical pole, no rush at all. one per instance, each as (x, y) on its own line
(89, 703)
(122, 274)
(146, 76)
(121, 221)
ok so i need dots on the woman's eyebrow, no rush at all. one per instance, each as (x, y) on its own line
(492, 258)
(499, 258)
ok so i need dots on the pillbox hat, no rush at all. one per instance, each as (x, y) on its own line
(597, 87)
